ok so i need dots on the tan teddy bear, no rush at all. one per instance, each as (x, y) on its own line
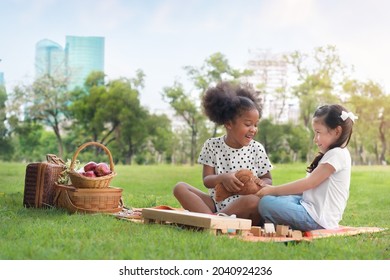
(252, 185)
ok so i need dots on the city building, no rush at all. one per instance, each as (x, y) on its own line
(81, 56)
(49, 59)
(270, 79)
(2, 82)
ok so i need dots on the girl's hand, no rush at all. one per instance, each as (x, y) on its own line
(231, 183)
(265, 190)
(259, 182)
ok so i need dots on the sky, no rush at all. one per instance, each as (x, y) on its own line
(160, 37)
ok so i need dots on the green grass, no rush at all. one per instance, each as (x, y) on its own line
(53, 234)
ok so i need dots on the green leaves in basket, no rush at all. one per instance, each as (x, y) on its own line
(64, 176)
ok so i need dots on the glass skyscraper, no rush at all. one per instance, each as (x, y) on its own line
(83, 55)
(2, 79)
(49, 59)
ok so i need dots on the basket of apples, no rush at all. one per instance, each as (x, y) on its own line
(92, 175)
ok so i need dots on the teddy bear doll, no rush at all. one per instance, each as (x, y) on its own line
(252, 185)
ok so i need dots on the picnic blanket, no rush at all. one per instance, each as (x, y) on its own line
(135, 215)
(315, 234)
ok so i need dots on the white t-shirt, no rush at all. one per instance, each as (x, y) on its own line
(224, 159)
(326, 202)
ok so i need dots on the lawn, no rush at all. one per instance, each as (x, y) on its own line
(53, 234)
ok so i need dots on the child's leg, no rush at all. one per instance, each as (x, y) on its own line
(286, 210)
(245, 207)
(192, 199)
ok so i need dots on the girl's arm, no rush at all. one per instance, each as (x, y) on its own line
(229, 180)
(320, 174)
(266, 178)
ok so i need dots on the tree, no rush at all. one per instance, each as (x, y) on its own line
(161, 135)
(320, 78)
(87, 107)
(45, 101)
(187, 110)
(298, 139)
(111, 113)
(130, 133)
(372, 105)
(271, 136)
(214, 69)
(5, 141)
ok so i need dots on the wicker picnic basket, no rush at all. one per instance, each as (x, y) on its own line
(39, 188)
(89, 201)
(80, 181)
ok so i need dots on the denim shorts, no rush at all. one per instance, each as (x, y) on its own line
(286, 210)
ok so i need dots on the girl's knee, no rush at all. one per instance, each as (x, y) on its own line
(251, 201)
(179, 188)
(247, 202)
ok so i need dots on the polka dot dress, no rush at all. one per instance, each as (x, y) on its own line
(225, 159)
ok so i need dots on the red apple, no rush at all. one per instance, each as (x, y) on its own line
(90, 166)
(102, 169)
(89, 174)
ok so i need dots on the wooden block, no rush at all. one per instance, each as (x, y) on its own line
(282, 230)
(224, 231)
(296, 234)
(269, 228)
(197, 219)
(243, 232)
(256, 231)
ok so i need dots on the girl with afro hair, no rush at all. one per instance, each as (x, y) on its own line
(237, 109)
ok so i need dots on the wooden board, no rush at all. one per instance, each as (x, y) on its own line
(200, 220)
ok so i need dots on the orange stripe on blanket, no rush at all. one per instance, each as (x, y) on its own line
(342, 231)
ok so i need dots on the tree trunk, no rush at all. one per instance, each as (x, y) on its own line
(382, 138)
(129, 154)
(194, 134)
(215, 130)
(59, 141)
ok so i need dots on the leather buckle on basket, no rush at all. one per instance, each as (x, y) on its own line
(52, 158)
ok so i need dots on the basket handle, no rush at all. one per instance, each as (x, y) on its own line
(92, 144)
(52, 158)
